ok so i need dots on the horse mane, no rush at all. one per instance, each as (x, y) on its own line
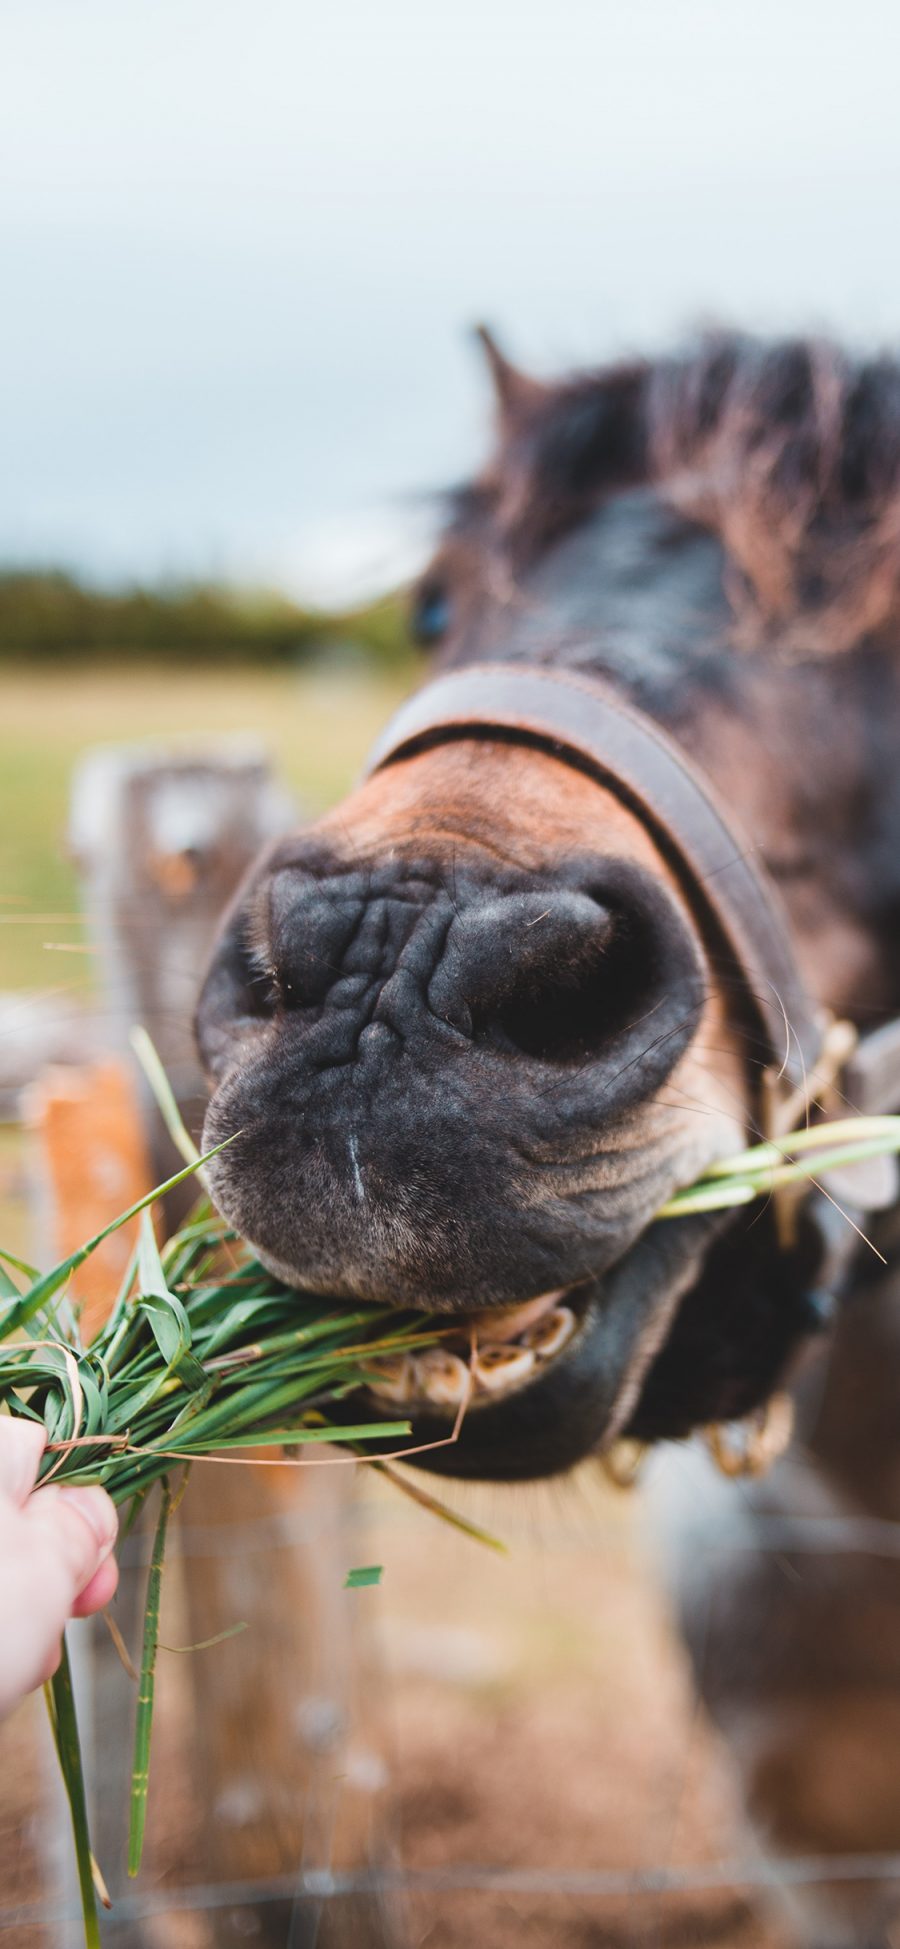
(788, 451)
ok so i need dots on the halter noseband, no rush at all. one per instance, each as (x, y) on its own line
(581, 720)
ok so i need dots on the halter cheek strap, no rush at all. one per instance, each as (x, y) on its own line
(584, 723)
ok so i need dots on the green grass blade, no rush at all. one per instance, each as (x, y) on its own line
(140, 1772)
(21, 1265)
(759, 1179)
(293, 1437)
(709, 1197)
(164, 1096)
(442, 1509)
(883, 1131)
(63, 1719)
(46, 1288)
(364, 1576)
(8, 1287)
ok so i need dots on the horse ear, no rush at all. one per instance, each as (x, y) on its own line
(515, 392)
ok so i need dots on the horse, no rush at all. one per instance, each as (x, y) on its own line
(619, 894)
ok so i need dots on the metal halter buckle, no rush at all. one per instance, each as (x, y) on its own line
(784, 1109)
(623, 1462)
(751, 1447)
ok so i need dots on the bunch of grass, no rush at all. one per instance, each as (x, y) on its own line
(203, 1356)
(203, 1353)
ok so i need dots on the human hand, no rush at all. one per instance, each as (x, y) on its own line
(55, 1560)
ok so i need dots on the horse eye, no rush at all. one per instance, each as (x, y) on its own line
(431, 613)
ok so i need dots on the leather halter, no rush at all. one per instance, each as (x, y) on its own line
(583, 722)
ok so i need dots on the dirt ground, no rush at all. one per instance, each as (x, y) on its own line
(523, 1713)
(542, 1719)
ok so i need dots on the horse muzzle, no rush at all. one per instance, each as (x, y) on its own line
(447, 1095)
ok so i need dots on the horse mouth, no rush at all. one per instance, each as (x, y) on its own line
(484, 1356)
(517, 1392)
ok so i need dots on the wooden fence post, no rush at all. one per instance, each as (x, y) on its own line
(162, 840)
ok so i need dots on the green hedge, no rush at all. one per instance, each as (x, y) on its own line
(52, 617)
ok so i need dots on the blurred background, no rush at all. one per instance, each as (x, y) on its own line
(243, 248)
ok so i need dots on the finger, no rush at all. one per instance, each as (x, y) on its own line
(35, 1599)
(50, 1664)
(21, 1447)
(50, 1551)
(80, 1524)
(100, 1591)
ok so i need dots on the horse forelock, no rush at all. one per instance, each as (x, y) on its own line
(789, 452)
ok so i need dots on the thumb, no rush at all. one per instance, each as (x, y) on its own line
(80, 1523)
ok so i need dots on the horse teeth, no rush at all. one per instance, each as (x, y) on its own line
(551, 1334)
(498, 1368)
(395, 1378)
(509, 1322)
(442, 1377)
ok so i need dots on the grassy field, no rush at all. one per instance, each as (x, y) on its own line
(316, 725)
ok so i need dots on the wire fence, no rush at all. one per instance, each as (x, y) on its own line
(308, 1890)
(324, 1884)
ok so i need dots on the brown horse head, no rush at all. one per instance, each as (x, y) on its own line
(471, 1026)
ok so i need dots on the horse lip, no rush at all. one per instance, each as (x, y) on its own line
(504, 1323)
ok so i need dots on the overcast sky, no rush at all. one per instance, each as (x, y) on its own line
(242, 243)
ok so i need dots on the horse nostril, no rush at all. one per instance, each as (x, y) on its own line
(563, 977)
(569, 1006)
(541, 975)
(570, 1013)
